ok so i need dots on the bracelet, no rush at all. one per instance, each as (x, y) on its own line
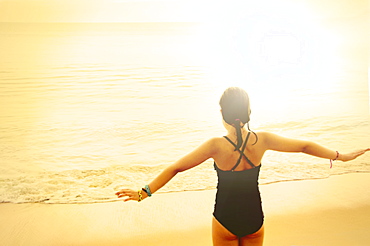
(147, 190)
(336, 158)
(140, 196)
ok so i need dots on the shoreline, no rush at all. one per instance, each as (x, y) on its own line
(331, 211)
(44, 199)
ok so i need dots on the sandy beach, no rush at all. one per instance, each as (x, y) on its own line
(333, 211)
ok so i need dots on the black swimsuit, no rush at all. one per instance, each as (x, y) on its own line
(238, 202)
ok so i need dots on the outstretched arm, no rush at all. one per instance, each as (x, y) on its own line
(278, 143)
(194, 158)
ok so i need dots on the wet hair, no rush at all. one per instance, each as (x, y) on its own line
(235, 108)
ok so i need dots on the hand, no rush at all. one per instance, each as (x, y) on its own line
(353, 155)
(131, 194)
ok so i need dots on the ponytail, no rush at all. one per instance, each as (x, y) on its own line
(238, 134)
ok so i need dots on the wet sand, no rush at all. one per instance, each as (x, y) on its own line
(333, 211)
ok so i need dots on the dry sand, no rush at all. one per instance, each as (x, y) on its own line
(333, 211)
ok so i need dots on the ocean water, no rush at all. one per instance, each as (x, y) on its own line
(87, 109)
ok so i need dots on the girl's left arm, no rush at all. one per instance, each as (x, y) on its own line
(194, 158)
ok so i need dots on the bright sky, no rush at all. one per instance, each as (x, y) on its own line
(169, 10)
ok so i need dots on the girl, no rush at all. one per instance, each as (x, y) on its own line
(238, 215)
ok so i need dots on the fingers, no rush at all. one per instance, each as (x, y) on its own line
(357, 153)
(353, 155)
(361, 152)
(123, 191)
(128, 199)
(130, 194)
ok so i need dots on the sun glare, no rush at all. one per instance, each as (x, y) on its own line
(268, 50)
(268, 54)
(281, 48)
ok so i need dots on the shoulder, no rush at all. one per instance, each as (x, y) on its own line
(215, 141)
(215, 144)
(208, 148)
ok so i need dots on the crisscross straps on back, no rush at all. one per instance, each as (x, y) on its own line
(241, 152)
